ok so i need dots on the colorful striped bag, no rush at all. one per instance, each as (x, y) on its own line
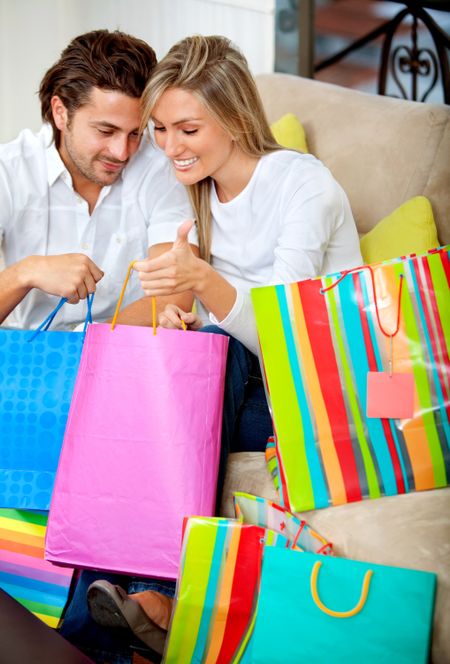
(320, 339)
(218, 584)
(38, 585)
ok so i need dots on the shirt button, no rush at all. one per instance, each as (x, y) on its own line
(85, 246)
(119, 240)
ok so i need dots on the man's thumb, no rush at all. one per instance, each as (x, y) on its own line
(183, 232)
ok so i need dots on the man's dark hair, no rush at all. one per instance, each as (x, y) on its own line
(101, 59)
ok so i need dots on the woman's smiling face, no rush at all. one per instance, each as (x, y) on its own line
(192, 139)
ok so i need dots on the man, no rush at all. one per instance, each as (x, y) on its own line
(79, 201)
(83, 197)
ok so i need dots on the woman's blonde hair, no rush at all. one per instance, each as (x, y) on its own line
(218, 74)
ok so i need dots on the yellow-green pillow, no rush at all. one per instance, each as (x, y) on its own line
(289, 133)
(410, 229)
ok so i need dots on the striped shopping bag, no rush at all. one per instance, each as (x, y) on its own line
(219, 577)
(323, 341)
(38, 585)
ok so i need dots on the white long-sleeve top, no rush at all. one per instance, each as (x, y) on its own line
(291, 222)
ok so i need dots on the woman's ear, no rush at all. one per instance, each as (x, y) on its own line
(59, 112)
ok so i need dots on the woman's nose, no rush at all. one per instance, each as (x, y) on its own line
(173, 146)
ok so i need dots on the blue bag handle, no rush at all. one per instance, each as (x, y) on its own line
(43, 327)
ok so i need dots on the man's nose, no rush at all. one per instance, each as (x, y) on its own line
(120, 148)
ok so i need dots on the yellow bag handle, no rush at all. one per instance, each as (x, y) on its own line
(121, 296)
(339, 614)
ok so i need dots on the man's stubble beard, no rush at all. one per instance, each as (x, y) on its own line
(85, 165)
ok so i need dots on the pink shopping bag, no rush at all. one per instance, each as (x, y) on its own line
(141, 449)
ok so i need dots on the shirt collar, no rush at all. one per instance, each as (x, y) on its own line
(55, 165)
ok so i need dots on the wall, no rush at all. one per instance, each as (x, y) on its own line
(33, 33)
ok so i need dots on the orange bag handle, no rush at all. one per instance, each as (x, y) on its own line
(121, 296)
(339, 614)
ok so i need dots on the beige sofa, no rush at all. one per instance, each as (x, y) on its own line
(383, 151)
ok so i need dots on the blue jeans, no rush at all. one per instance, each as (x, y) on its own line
(246, 425)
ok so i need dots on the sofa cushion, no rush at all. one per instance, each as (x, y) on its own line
(411, 530)
(288, 132)
(410, 229)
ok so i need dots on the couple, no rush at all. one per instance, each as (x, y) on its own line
(74, 212)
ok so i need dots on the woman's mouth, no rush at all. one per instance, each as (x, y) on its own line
(184, 164)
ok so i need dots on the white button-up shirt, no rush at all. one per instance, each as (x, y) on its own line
(40, 213)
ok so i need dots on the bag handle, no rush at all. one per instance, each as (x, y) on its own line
(339, 614)
(390, 335)
(121, 296)
(369, 267)
(43, 327)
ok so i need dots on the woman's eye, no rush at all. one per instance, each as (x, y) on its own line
(159, 128)
(189, 131)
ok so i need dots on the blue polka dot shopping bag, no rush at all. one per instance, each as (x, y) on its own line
(37, 376)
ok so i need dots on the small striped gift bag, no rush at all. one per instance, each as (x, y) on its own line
(357, 371)
(219, 577)
(38, 585)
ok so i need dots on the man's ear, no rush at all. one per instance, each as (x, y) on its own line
(59, 112)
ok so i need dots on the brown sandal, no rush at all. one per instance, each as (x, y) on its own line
(110, 606)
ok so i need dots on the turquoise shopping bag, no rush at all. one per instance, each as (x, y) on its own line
(325, 608)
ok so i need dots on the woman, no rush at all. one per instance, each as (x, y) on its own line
(264, 215)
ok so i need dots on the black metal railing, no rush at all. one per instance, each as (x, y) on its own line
(421, 64)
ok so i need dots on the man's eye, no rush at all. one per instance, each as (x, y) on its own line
(105, 132)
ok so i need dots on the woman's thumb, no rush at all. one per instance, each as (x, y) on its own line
(183, 232)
